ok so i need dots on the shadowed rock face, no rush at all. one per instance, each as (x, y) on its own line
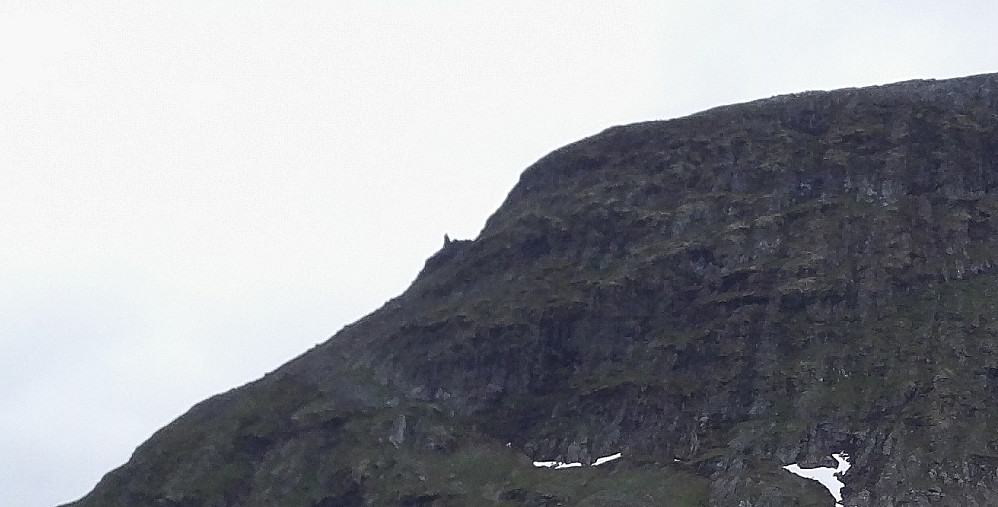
(713, 296)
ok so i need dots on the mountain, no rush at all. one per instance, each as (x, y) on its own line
(713, 296)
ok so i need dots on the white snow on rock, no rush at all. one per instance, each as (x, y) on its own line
(604, 459)
(546, 464)
(558, 464)
(827, 476)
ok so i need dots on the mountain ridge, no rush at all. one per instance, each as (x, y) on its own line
(715, 296)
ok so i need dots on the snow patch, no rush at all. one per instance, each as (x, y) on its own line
(827, 476)
(546, 464)
(558, 464)
(605, 459)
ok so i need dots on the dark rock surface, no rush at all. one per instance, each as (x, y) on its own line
(714, 296)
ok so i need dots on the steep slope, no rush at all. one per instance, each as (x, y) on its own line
(713, 296)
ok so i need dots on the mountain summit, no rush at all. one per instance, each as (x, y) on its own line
(714, 297)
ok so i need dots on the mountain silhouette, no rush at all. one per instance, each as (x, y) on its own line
(713, 297)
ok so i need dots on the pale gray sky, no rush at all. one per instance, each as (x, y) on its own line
(193, 192)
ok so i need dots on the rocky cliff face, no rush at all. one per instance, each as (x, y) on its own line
(713, 296)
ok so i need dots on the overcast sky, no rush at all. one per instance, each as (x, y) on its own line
(194, 192)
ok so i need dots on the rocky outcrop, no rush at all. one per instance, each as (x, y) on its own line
(713, 296)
